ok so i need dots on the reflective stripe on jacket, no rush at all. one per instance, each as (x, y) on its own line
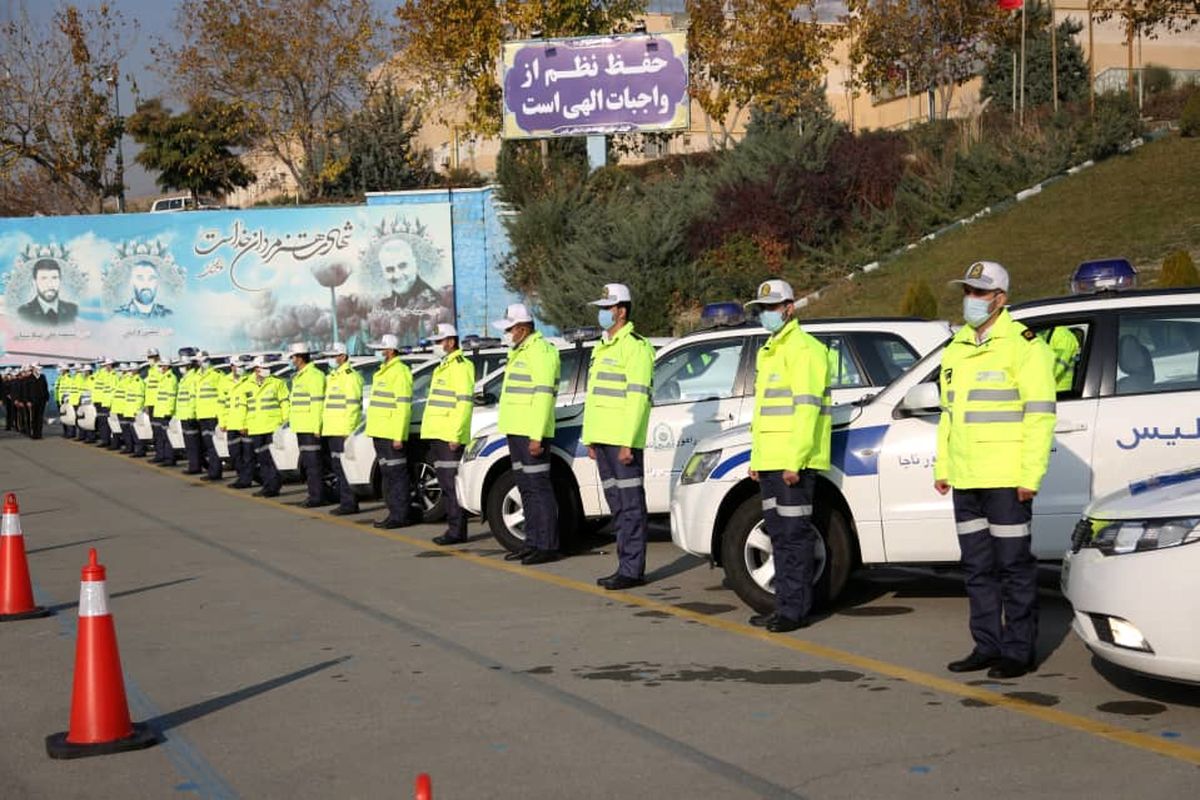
(208, 394)
(451, 401)
(792, 425)
(235, 417)
(389, 411)
(308, 398)
(342, 411)
(164, 395)
(998, 396)
(185, 394)
(530, 385)
(617, 408)
(266, 405)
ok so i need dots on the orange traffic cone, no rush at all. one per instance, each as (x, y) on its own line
(16, 590)
(424, 787)
(100, 721)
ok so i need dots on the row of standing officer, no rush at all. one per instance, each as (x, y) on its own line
(25, 395)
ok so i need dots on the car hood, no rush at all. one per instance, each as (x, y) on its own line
(739, 435)
(1170, 494)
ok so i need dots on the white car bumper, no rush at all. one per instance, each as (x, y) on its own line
(469, 483)
(1153, 591)
(358, 459)
(693, 512)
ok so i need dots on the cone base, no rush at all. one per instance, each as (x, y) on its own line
(36, 612)
(142, 737)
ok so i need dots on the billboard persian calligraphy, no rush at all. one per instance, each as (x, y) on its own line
(595, 85)
(223, 280)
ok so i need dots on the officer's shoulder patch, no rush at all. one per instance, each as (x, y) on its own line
(1028, 334)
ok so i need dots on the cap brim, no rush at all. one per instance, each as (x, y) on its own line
(978, 284)
(606, 303)
(770, 300)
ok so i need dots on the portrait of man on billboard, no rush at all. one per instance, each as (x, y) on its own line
(143, 287)
(47, 306)
(139, 280)
(405, 266)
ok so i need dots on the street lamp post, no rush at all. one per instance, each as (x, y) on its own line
(115, 82)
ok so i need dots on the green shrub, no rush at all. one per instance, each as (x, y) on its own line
(1178, 269)
(1116, 123)
(919, 301)
(1157, 79)
(1189, 121)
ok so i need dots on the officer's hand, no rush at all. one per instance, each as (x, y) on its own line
(535, 447)
(397, 444)
(1025, 495)
(941, 486)
(245, 431)
(754, 475)
(625, 456)
(591, 452)
(454, 447)
(790, 478)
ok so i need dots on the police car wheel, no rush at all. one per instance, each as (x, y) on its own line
(429, 493)
(505, 513)
(749, 566)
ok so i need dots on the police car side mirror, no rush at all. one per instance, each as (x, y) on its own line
(922, 400)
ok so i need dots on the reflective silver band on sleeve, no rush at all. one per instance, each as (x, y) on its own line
(638, 388)
(1040, 407)
(806, 400)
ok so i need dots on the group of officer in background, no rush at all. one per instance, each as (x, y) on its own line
(25, 395)
(998, 383)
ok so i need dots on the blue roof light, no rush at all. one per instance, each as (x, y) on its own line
(1103, 275)
(722, 315)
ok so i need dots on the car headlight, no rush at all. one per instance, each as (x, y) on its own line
(699, 467)
(1139, 536)
(472, 451)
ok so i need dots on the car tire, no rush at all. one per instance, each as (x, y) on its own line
(428, 492)
(503, 508)
(745, 553)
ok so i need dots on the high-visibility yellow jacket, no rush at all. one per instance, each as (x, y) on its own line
(117, 406)
(135, 395)
(307, 399)
(997, 423)
(185, 394)
(152, 376)
(239, 399)
(792, 425)
(342, 411)
(164, 393)
(208, 400)
(87, 385)
(389, 410)
(102, 387)
(617, 408)
(225, 384)
(266, 405)
(1065, 348)
(73, 388)
(451, 402)
(530, 385)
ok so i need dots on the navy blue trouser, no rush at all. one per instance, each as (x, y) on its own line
(993, 535)
(133, 442)
(118, 425)
(312, 464)
(191, 443)
(393, 469)
(445, 463)
(271, 480)
(164, 451)
(787, 516)
(208, 428)
(537, 493)
(625, 490)
(337, 448)
(103, 435)
(245, 460)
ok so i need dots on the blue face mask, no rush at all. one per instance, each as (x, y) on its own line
(605, 318)
(976, 310)
(771, 320)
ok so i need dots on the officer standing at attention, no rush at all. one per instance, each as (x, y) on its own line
(446, 425)
(615, 416)
(266, 409)
(994, 440)
(790, 443)
(226, 378)
(307, 402)
(116, 408)
(389, 412)
(241, 447)
(135, 400)
(102, 397)
(86, 385)
(62, 393)
(527, 420)
(185, 408)
(208, 409)
(164, 409)
(341, 415)
(151, 383)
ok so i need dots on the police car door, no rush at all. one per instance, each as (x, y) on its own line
(1149, 418)
(699, 389)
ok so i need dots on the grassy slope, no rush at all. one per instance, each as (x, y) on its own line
(1141, 206)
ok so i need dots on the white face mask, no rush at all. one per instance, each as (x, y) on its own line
(976, 310)
(507, 339)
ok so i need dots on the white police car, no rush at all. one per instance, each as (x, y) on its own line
(703, 384)
(1131, 574)
(1134, 397)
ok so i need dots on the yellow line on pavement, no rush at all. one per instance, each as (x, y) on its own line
(1063, 719)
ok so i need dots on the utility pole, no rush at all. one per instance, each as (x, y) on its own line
(1054, 56)
(114, 80)
(1091, 62)
(1021, 111)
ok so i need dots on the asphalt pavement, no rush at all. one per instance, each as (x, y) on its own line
(285, 653)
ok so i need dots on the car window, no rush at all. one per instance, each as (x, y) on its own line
(1158, 353)
(1070, 343)
(886, 355)
(176, 204)
(420, 390)
(844, 372)
(569, 363)
(702, 371)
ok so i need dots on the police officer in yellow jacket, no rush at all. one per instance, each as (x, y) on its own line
(186, 398)
(86, 386)
(164, 410)
(266, 410)
(446, 425)
(151, 395)
(340, 416)
(527, 420)
(135, 401)
(790, 442)
(208, 411)
(389, 413)
(615, 415)
(1064, 344)
(104, 385)
(994, 440)
(307, 401)
(237, 435)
